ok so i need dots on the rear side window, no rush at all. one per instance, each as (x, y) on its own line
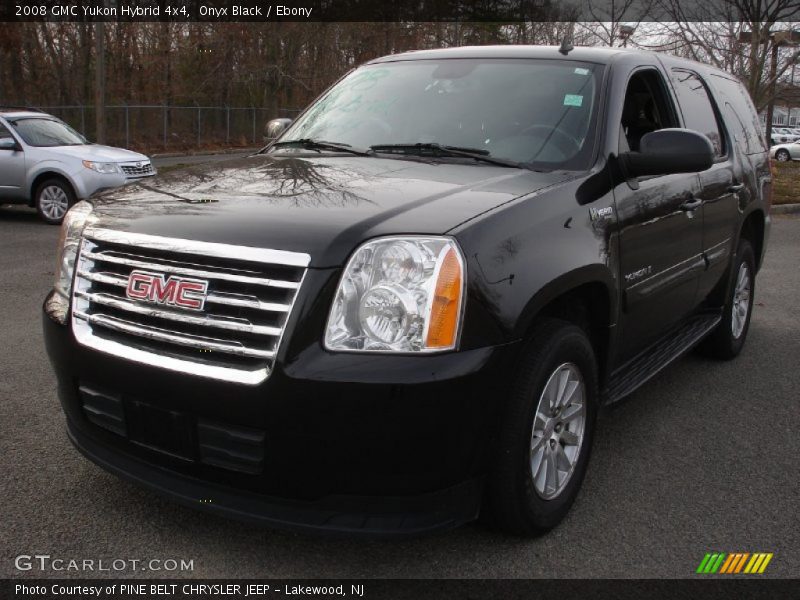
(698, 111)
(741, 105)
(737, 128)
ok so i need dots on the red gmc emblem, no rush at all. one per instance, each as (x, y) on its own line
(172, 291)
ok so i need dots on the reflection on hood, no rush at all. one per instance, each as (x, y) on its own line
(320, 204)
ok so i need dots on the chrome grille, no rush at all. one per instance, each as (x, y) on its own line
(235, 337)
(137, 169)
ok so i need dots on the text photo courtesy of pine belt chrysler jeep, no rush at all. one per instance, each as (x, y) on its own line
(407, 309)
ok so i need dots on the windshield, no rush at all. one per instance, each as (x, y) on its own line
(537, 112)
(47, 132)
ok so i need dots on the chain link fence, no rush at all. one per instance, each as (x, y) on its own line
(160, 128)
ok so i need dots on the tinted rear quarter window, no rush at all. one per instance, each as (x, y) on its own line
(734, 93)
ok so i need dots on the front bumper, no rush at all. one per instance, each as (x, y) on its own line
(380, 445)
(351, 515)
(88, 182)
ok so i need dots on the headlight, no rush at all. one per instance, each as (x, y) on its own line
(71, 230)
(399, 294)
(107, 168)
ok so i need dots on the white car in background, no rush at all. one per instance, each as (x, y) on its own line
(46, 164)
(785, 152)
(784, 135)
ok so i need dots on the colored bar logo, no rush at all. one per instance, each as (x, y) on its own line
(733, 563)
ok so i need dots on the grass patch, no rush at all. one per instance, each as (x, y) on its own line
(786, 184)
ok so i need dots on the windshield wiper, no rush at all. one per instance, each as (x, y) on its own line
(440, 150)
(321, 145)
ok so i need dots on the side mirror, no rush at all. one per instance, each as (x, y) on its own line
(8, 143)
(669, 151)
(275, 128)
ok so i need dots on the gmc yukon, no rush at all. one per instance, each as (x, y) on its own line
(407, 309)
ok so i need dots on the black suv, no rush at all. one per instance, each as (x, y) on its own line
(408, 308)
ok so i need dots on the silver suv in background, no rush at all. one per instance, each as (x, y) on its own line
(46, 164)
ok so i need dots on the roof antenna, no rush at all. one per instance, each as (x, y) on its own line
(566, 43)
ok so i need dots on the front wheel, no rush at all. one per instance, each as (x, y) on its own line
(727, 340)
(782, 155)
(546, 434)
(53, 199)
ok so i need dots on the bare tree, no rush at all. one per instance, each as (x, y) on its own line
(613, 21)
(737, 36)
(278, 67)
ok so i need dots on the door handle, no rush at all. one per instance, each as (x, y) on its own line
(736, 187)
(691, 204)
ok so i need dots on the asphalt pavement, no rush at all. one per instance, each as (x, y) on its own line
(704, 458)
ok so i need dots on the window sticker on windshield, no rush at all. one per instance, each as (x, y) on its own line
(573, 100)
(581, 71)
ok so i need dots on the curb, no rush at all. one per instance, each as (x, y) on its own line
(207, 152)
(785, 209)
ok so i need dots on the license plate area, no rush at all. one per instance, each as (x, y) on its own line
(167, 431)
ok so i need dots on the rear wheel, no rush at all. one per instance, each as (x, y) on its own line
(728, 338)
(782, 155)
(53, 199)
(546, 433)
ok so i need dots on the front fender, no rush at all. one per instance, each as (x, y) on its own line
(598, 276)
(529, 253)
(57, 168)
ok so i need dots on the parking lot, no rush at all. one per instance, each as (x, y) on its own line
(702, 459)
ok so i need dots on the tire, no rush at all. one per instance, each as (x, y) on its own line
(519, 499)
(782, 155)
(727, 340)
(53, 199)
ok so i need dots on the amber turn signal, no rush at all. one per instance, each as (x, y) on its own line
(445, 307)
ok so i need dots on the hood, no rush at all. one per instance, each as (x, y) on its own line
(99, 153)
(322, 205)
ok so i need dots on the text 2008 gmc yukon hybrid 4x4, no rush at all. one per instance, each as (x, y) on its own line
(408, 309)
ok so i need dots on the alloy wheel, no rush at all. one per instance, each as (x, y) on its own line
(54, 202)
(558, 431)
(740, 306)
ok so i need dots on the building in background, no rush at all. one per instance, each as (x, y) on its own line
(783, 116)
